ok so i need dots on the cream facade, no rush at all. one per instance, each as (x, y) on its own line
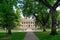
(27, 23)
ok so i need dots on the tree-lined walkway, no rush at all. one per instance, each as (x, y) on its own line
(30, 36)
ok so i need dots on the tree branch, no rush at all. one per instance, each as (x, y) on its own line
(56, 4)
(46, 3)
(37, 18)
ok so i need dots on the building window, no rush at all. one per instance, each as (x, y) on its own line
(31, 25)
(22, 22)
(31, 22)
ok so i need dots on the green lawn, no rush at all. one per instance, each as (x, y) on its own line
(1, 30)
(47, 36)
(13, 36)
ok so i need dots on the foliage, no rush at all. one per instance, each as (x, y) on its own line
(58, 17)
(33, 6)
(8, 17)
(27, 8)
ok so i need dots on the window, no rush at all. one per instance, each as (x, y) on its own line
(31, 22)
(22, 22)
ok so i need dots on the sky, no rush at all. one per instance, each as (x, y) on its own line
(58, 8)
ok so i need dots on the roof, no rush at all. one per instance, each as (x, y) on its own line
(27, 19)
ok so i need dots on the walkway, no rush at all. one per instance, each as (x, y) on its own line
(30, 36)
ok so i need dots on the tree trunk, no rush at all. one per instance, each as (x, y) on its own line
(44, 28)
(58, 24)
(53, 30)
(9, 30)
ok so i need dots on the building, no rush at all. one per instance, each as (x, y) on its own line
(27, 23)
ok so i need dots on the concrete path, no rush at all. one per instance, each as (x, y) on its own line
(30, 36)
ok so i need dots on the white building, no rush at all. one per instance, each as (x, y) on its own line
(27, 23)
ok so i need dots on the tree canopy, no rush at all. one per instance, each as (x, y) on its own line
(8, 17)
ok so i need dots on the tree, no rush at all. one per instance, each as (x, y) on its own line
(43, 20)
(52, 5)
(8, 16)
(27, 10)
(32, 8)
(42, 17)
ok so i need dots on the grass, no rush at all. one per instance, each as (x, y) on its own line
(4, 31)
(48, 29)
(47, 36)
(13, 36)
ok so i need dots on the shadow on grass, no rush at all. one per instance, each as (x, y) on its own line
(47, 36)
(13, 36)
